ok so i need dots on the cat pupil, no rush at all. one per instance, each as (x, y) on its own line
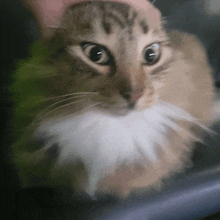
(152, 54)
(95, 54)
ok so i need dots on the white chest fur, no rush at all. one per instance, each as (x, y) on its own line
(101, 141)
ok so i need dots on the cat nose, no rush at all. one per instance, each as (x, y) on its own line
(133, 96)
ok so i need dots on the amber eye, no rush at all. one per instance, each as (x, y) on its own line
(96, 53)
(151, 54)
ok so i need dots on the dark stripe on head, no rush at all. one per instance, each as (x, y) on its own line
(131, 22)
(117, 13)
(117, 19)
(107, 26)
(144, 26)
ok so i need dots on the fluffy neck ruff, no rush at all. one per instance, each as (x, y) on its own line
(101, 141)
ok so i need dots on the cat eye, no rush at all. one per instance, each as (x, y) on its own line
(96, 53)
(151, 54)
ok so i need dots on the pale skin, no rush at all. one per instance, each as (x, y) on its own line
(49, 12)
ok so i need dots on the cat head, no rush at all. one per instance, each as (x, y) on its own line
(114, 53)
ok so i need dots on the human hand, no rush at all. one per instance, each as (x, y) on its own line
(49, 12)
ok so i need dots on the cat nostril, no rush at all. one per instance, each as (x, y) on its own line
(132, 97)
(127, 96)
(135, 95)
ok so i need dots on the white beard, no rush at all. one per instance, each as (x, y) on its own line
(101, 141)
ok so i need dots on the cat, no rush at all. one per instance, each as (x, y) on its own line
(111, 102)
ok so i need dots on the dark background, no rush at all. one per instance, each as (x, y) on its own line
(18, 31)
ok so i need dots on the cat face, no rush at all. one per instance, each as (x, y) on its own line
(112, 51)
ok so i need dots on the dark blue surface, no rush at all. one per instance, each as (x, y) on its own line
(193, 198)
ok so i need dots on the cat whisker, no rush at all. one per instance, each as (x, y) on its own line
(181, 131)
(40, 116)
(63, 106)
(75, 95)
(72, 94)
(81, 96)
(89, 107)
(49, 107)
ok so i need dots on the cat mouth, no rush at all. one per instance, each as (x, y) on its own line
(122, 110)
(131, 106)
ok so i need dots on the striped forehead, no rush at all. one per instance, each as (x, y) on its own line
(123, 20)
(109, 15)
